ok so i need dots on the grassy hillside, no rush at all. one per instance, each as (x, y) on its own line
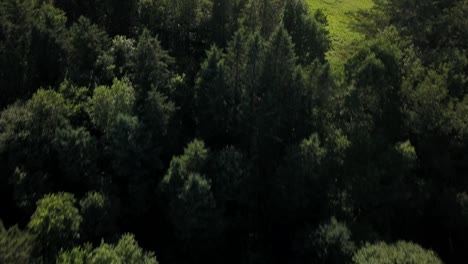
(338, 13)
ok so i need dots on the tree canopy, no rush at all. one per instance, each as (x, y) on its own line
(223, 131)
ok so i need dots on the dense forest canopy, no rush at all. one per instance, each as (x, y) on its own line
(208, 131)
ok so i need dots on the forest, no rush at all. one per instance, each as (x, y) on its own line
(233, 131)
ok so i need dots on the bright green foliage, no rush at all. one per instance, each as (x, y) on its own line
(126, 251)
(407, 152)
(127, 146)
(122, 54)
(340, 18)
(398, 253)
(55, 224)
(49, 109)
(76, 255)
(15, 245)
(105, 254)
(108, 103)
(192, 162)
(129, 251)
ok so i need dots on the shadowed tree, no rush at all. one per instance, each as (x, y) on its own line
(309, 35)
(86, 43)
(16, 245)
(190, 202)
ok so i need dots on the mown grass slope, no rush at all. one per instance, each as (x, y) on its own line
(339, 17)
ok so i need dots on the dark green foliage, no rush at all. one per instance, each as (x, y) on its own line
(15, 43)
(151, 65)
(279, 100)
(112, 112)
(98, 100)
(307, 31)
(225, 15)
(299, 180)
(190, 202)
(32, 42)
(214, 100)
(262, 15)
(16, 245)
(48, 46)
(116, 17)
(330, 242)
(86, 44)
(430, 23)
(35, 135)
(230, 173)
(333, 243)
(97, 222)
(157, 114)
(182, 26)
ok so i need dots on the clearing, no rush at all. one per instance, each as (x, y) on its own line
(339, 17)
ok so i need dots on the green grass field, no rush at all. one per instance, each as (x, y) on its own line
(338, 13)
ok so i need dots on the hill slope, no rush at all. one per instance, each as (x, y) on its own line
(338, 13)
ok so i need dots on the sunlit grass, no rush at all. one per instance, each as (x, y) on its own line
(343, 38)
